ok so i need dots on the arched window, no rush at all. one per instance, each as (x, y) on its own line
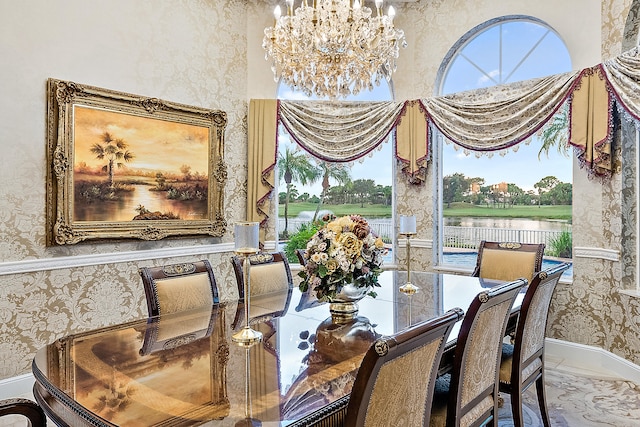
(485, 197)
(363, 186)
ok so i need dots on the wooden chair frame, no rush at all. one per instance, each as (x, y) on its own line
(300, 254)
(258, 259)
(388, 348)
(484, 301)
(538, 249)
(536, 294)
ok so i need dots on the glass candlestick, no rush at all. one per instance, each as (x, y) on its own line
(407, 224)
(408, 230)
(409, 288)
(248, 420)
(247, 242)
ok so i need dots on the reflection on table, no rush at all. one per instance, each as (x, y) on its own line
(185, 370)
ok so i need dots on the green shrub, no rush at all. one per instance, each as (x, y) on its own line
(299, 239)
(561, 246)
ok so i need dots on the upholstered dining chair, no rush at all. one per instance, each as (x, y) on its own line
(468, 396)
(523, 362)
(508, 261)
(269, 272)
(179, 287)
(395, 381)
(26, 408)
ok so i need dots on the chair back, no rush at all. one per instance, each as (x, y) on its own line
(268, 272)
(508, 261)
(473, 392)
(395, 382)
(532, 324)
(301, 254)
(26, 408)
(179, 287)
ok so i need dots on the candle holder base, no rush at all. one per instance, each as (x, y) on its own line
(409, 288)
(247, 337)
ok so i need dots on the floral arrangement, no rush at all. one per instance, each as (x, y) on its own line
(343, 251)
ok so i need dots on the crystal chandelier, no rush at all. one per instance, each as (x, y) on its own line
(333, 48)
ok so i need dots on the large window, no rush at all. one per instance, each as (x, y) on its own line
(522, 194)
(363, 186)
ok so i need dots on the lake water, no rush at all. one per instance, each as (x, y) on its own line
(511, 223)
(125, 208)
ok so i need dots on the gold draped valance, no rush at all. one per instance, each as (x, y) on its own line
(486, 119)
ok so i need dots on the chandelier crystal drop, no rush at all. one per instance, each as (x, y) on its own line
(333, 48)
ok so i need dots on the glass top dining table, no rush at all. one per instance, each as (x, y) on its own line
(185, 369)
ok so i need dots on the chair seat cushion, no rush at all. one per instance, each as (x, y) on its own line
(440, 399)
(506, 363)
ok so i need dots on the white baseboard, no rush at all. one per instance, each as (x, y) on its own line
(586, 358)
(20, 386)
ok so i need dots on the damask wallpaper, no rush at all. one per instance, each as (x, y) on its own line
(192, 52)
(206, 53)
(592, 310)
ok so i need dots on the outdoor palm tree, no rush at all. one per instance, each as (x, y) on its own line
(113, 150)
(294, 166)
(555, 132)
(336, 171)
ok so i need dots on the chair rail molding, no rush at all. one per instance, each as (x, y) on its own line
(599, 253)
(46, 264)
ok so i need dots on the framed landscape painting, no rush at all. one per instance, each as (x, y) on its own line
(122, 166)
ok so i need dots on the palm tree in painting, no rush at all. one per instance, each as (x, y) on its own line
(336, 171)
(294, 166)
(114, 151)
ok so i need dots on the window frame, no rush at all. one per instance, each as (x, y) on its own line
(439, 138)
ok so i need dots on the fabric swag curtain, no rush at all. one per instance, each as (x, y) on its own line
(481, 120)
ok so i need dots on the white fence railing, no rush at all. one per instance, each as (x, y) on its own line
(454, 236)
(470, 237)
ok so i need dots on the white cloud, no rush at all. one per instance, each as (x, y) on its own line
(486, 77)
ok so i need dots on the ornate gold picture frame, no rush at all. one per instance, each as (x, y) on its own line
(122, 166)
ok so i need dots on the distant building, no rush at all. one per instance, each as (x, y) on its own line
(500, 188)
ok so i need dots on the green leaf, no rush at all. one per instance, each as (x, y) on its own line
(322, 271)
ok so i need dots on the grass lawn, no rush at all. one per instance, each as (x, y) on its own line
(456, 209)
(535, 212)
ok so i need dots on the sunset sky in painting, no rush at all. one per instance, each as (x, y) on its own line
(156, 144)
